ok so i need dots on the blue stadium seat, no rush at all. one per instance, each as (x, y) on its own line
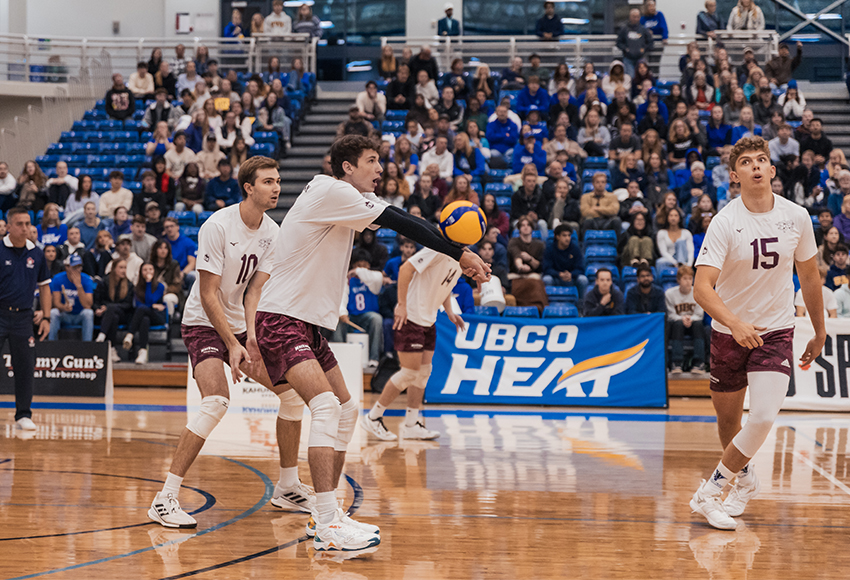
(521, 312)
(498, 174)
(476, 187)
(266, 137)
(184, 218)
(668, 275)
(599, 237)
(388, 126)
(682, 176)
(562, 294)
(204, 216)
(133, 148)
(498, 188)
(266, 149)
(100, 185)
(190, 232)
(486, 311)
(504, 203)
(587, 174)
(565, 310)
(604, 254)
(712, 161)
(396, 115)
(134, 186)
(596, 163)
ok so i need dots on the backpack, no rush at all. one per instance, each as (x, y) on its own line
(387, 367)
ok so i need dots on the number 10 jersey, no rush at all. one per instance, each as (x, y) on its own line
(228, 248)
(755, 253)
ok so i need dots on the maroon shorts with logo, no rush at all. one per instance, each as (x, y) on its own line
(203, 342)
(730, 362)
(414, 338)
(285, 341)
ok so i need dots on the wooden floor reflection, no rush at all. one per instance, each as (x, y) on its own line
(504, 493)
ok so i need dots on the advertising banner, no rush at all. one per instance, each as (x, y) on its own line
(63, 368)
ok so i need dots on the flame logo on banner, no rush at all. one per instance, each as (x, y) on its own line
(599, 369)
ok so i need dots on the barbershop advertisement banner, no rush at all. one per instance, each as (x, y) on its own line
(66, 368)
(595, 362)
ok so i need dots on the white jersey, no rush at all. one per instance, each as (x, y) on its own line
(228, 248)
(435, 277)
(755, 253)
(313, 250)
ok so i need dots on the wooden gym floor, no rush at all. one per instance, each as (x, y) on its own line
(504, 493)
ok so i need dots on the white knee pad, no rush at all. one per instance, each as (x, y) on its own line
(209, 415)
(404, 378)
(767, 392)
(347, 420)
(424, 373)
(325, 409)
(291, 406)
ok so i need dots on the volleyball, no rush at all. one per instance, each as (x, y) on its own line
(463, 222)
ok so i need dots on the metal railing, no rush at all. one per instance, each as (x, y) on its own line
(600, 49)
(30, 134)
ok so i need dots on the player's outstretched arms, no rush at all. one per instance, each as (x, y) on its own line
(810, 285)
(744, 333)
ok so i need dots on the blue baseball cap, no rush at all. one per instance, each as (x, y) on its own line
(73, 260)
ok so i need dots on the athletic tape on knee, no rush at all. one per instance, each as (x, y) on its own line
(404, 378)
(209, 415)
(324, 425)
(349, 411)
(424, 373)
(767, 392)
(291, 406)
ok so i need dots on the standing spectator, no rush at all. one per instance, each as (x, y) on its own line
(780, 68)
(528, 202)
(746, 16)
(150, 311)
(685, 317)
(278, 22)
(817, 142)
(549, 26)
(371, 103)
(177, 158)
(120, 102)
(233, 29)
(72, 299)
(645, 297)
(599, 208)
(142, 242)
(141, 82)
(117, 196)
(604, 299)
(179, 62)
(90, 225)
(563, 264)
(424, 61)
(307, 23)
(113, 304)
(634, 40)
(223, 190)
(24, 270)
(60, 187)
(51, 230)
(448, 26)
(708, 20)
(183, 250)
(654, 20)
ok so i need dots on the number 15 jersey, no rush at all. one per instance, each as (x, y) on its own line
(228, 248)
(755, 253)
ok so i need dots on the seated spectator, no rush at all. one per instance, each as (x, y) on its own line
(32, 235)
(183, 249)
(98, 257)
(512, 77)
(461, 191)
(594, 137)
(149, 311)
(188, 79)
(449, 107)
(181, 115)
(124, 251)
(497, 270)
(117, 196)
(426, 198)
(675, 244)
(424, 61)
(371, 104)
(406, 248)
(494, 214)
(599, 208)
(565, 208)
(526, 266)
(842, 301)
(51, 230)
(528, 202)
(830, 303)
(640, 244)
(645, 297)
(502, 134)
(708, 21)
(426, 87)
(783, 144)
(837, 274)
(195, 133)
(388, 65)
(604, 299)
(617, 78)
(805, 182)
(73, 245)
(355, 125)
(685, 317)
(467, 159)
(549, 26)
(400, 90)
(59, 188)
(192, 190)
(141, 82)
(209, 157)
(120, 223)
(376, 251)
(679, 142)
(792, 102)
(532, 95)
(696, 187)
(177, 158)
(442, 157)
(32, 187)
(361, 305)
(747, 126)
(72, 299)
(719, 134)
(167, 271)
(560, 142)
(765, 106)
(154, 224)
(142, 242)
(633, 204)
(148, 194)
(563, 263)
(529, 152)
(90, 225)
(53, 257)
(592, 93)
(120, 102)
(160, 142)
(817, 142)
(483, 83)
(457, 79)
(163, 78)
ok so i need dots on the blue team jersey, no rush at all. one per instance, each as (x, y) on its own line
(360, 298)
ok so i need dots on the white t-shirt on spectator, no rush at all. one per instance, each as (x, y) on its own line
(446, 162)
(110, 201)
(435, 277)
(176, 162)
(313, 250)
(277, 24)
(230, 249)
(8, 185)
(829, 301)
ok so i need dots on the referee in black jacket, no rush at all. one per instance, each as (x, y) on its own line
(23, 269)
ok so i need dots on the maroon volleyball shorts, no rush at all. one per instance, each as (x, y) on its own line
(730, 362)
(285, 342)
(203, 343)
(414, 338)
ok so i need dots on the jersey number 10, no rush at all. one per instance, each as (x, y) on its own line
(760, 251)
(248, 265)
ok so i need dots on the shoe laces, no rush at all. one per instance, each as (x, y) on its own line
(380, 421)
(173, 504)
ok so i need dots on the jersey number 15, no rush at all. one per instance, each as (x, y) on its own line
(760, 250)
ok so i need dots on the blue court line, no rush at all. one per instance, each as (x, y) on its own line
(5, 460)
(100, 407)
(256, 507)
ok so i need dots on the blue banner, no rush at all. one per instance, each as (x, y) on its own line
(617, 361)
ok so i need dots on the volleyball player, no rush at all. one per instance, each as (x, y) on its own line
(425, 283)
(744, 282)
(303, 293)
(233, 245)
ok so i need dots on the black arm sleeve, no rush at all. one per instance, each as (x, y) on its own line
(418, 230)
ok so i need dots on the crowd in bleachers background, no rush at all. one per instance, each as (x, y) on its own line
(583, 172)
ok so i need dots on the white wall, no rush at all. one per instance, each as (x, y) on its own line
(678, 11)
(422, 15)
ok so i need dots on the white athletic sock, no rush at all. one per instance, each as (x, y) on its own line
(288, 477)
(745, 476)
(411, 417)
(100, 337)
(377, 412)
(719, 480)
(172, 484)
(326, 506)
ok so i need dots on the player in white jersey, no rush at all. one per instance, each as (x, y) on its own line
(233, 244)
(425, 283)
(303, 293)
(744, 282)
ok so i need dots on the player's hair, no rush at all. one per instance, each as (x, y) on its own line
(348, 148)
(683, 271)
(248, 170)
(561, 228)
(745, 145)
(641, 268)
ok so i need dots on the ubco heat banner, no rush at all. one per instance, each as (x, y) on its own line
(611, 362)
